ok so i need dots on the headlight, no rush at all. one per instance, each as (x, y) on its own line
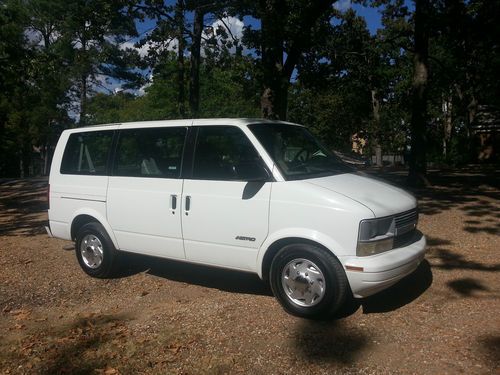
(375, 236)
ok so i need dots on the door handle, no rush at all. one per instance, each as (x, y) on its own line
(173, 201)
(188, 203)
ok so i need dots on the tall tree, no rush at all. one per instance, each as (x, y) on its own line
(39, 81)
(52, 72)
(200, 8)
(95, 29)
(287, 28)
(194, 76)
(418, 162)
(170, 33)
(14, 58)
(181, 45)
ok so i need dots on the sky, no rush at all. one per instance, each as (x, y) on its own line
(371, 15)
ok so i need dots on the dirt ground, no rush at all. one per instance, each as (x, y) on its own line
(159, 316)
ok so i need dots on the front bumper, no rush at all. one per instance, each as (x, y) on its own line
(383, 270)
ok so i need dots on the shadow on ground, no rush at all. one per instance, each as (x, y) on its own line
(209, 277)
(444, 258)
(404, 292)
(90, 344)
(467, 287)
(85, 335)
(490, 346)
(329, 342)
(473, 190)
(21, 203)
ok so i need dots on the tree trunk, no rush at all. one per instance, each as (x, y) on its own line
(179, 18)
(471, 113)
(277, 72)
(376, 126)
(194, 82)
(275, 86)
(273, 101)
(21, 166)
(447, 124)
(83, 100)
(83, 90)
(45, 170)
(418, 162)
(25, 159)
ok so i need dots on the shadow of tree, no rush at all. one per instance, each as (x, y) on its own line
(474, 190)
(490, 345)
(402, 293)
(434, 241)
(444, 258)
(329, 342)
(209, 277)
(21, 204)
(450, 260)
(466, 286)
(79, 348)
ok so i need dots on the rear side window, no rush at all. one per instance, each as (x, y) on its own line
(150, 152)
(87, 153)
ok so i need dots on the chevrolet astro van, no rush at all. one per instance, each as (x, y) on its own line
(246, 194)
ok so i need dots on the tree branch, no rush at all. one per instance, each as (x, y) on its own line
(298, 43)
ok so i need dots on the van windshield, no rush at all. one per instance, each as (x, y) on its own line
(296, 152)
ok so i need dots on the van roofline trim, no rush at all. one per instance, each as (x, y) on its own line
(184, 122)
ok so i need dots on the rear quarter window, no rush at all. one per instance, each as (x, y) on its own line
(87, 153)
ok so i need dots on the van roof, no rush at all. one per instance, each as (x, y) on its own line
(181, 122)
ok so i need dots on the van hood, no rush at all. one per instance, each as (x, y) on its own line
(380, 197)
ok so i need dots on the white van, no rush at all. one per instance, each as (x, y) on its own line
(252, 195)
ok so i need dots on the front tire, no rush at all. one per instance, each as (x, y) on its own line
(308, 281)
(95, 251)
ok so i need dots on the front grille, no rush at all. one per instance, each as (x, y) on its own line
(406, 218)
(406, 224)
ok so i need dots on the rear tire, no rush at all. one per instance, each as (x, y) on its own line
(308, 281)
(95, 251)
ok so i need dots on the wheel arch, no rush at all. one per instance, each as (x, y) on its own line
(271, 247)
(83, 217)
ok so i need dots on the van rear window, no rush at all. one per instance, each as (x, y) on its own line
(87, 153)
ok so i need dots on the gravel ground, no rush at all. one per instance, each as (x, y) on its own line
(159, 316)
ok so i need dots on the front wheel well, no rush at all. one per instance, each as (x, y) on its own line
(79, 222)
(277, 245)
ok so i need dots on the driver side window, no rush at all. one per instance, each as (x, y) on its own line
(224, 153)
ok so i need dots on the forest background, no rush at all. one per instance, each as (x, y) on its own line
(423, 84)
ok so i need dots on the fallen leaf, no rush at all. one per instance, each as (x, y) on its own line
(18, 312)
(174, 348)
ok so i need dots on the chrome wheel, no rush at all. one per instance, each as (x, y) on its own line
(92, 251)
(303, 282)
